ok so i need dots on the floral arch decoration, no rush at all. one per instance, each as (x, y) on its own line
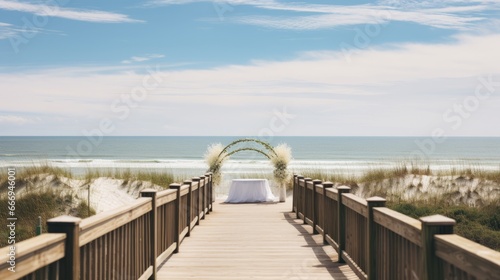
(279, 156)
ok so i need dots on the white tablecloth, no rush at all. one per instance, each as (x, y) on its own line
(250, 190)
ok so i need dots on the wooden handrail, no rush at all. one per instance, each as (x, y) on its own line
(102, 223)
(43, 251)
(397, 246)
(399, 223)
(126, 242)
(464, 257)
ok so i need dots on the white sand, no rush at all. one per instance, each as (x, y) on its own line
(105, 193)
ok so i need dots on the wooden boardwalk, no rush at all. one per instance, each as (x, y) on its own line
(254, 241)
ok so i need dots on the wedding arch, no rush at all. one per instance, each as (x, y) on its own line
(279, 156)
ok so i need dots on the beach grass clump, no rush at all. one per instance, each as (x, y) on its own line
(479, 224)
(30, 171)
(46, 203)
(25, 173)
(161, 178)
(328, 176)
(215, 156)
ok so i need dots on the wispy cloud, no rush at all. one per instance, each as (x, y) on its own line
(8, 30)
(142, 58)
(67, 13)
(322, 74)
(436, 14)
(17, 120)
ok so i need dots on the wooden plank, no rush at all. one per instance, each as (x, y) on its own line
(357, 270)
(331, 193)
(319, 189)
(184, 190)
(146, 273)
(168, 196)
(165, 255)
(32, 254)
(398, 223)
(310, 185)
(471, 257)
(183, 233)
(319, 229)
(309, 221)
(355, 203)
(331, 242)
(195, 185)
(96, 226)
(254, 241)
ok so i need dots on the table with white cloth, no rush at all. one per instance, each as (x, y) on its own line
(250, 190)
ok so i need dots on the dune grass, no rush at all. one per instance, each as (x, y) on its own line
(401, 169)
(479, 224)
(161, 178)
(46, 204)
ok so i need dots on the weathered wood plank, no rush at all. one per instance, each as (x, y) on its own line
(96, 226)
(165, 197)
(331, 193)
(32, 254)
(470, 257)
(254, 241)
(355, 203)
(399, 223)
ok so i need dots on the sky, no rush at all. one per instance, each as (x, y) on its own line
(250, 67)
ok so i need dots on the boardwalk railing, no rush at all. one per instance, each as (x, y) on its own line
(379, 243)
(125, 243)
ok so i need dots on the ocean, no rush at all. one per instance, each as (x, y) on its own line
(184, 155)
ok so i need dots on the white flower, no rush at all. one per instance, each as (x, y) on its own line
(214, 159)
(280, 160)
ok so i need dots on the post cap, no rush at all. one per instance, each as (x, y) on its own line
(148, 190)
(438, 220)
(174, 186)
(316, 181)
(65, 219)
(327, 184)
(376, 199)
(343, 189)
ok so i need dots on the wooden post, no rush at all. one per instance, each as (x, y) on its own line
(294, 193)
(189, 205)
(432, 266)
(210, 192)
(177, 223)
(206, 203)
(326, 185)
(204, 196)
(197, 205)
(153, 229)
(70, 264)
(314, 217)
(305, 198)
(300, 197)
(341, 221)
(371, 237)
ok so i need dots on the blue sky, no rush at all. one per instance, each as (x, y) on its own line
(250, 67)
